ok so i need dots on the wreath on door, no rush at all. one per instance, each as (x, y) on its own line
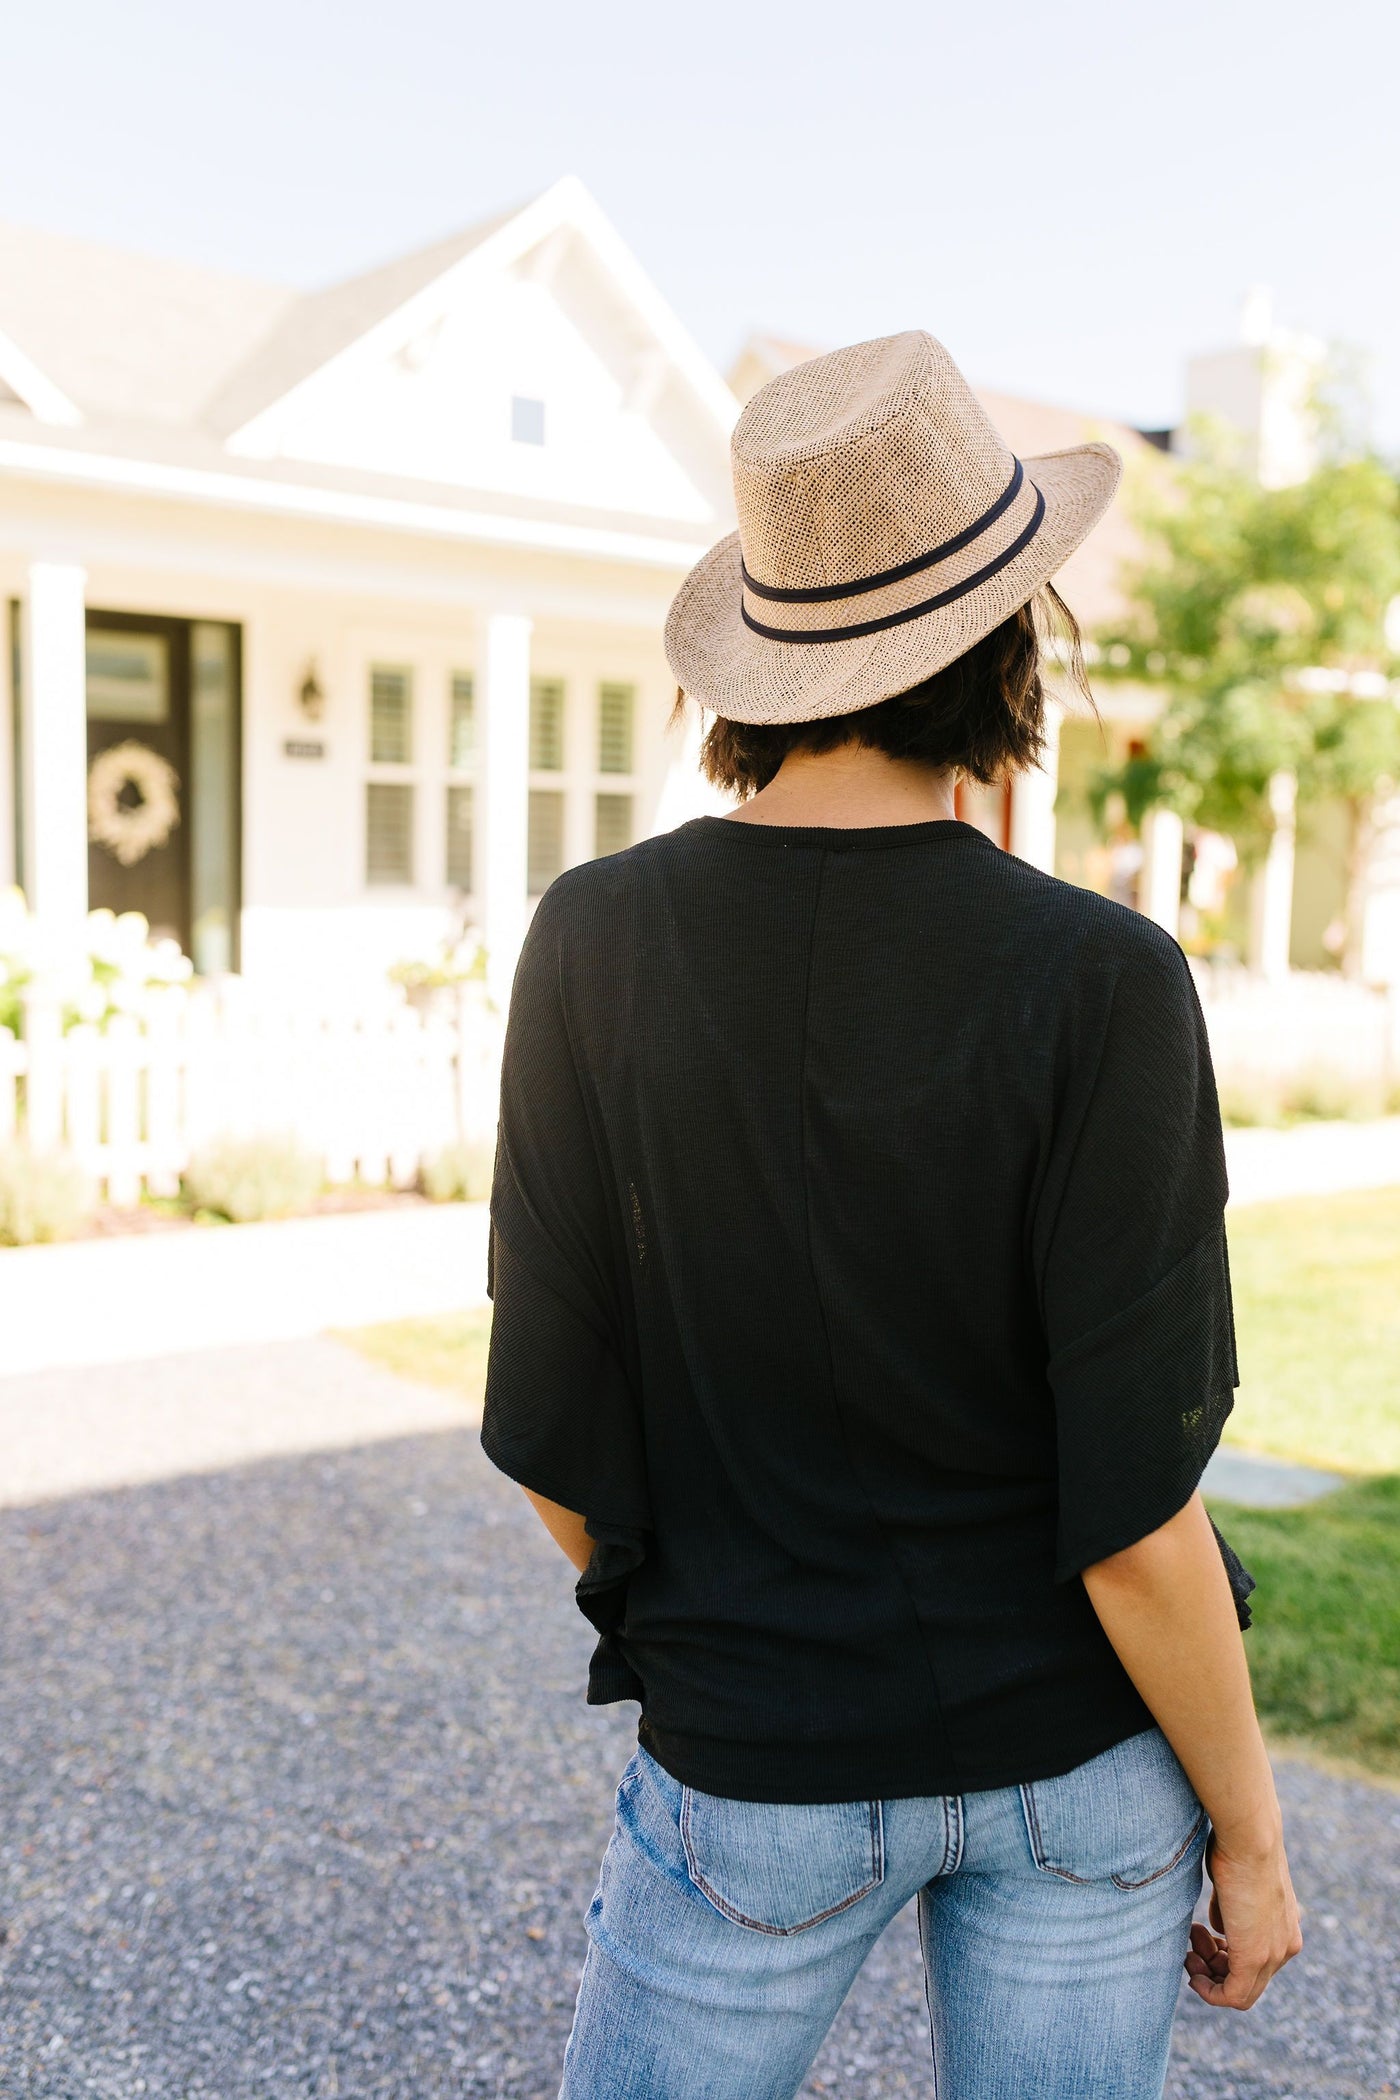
(132, 799)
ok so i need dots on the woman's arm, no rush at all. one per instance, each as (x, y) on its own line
(565, 1527)
(1166, 1606)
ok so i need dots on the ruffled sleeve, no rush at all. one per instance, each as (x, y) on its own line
(561, 1412)
(1131, 1258)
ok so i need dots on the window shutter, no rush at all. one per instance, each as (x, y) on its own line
(546, 725)
(390, 715)
(459, 838)
(612, 823)
(616, 706)
(388, 832)
(461, 731)
(545, 848)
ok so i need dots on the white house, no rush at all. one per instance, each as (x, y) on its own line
(335, 619)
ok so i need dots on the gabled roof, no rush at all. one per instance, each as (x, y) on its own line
(124, 336)
(383, 310)
(183, 379)
(318, 325)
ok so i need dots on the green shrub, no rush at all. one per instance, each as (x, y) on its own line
(460, 1173)
(1318, 1092)
(43, 1196)
(244, 1179)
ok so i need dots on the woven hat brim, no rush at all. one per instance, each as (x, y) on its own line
(721, 663)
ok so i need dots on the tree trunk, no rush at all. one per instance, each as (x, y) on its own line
(1271, 894)
(1361, 833)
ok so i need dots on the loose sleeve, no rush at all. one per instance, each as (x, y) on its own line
(1131, 1257)
(561, 1414)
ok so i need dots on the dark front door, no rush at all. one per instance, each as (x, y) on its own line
(138, 728)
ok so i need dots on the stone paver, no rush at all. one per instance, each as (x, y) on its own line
(298, 1795)
(1257, 1482)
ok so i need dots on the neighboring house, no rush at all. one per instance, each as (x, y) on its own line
(336, 618)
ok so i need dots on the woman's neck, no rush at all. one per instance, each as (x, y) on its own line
(851, 787)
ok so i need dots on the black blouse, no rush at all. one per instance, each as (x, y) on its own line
(859, 1274)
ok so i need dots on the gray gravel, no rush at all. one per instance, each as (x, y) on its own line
(298, 1795)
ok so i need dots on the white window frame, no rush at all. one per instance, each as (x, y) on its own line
(455, 776)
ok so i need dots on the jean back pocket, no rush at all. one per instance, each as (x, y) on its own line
(781, 1867)
(1128, 1815)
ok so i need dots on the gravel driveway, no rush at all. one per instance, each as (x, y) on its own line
(298, 1795)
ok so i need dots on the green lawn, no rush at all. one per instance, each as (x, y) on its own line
(1324, 1649)
(1317, 1307)
(1317, 1311)
(447, 1350)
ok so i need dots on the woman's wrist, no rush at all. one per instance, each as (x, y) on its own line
(1252, 1837)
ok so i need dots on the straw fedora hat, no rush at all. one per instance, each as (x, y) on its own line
(884, 527)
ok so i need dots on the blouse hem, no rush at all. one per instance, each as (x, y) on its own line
(794, 1773)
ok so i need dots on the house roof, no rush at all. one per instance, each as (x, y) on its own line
(127, 336)
(313, 328)
(124, 370)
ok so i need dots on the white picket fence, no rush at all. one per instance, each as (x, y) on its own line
(374, 1091)
(1311, 1024)
(377, 1091)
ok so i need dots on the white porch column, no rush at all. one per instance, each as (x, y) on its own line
(1159, 897)
(1271, 891)
(504, 786)
(1033, 801)
(53, 737)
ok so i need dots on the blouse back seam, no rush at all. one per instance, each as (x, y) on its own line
(890, 1554)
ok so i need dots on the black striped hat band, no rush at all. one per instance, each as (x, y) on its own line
(824, 593)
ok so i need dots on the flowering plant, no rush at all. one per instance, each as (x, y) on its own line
(106, 968)
(458, 961)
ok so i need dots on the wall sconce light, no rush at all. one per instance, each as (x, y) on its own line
(311, 696)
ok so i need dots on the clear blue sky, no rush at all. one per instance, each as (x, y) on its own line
(1072, 196)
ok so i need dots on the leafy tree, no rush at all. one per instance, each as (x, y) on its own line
(1261, 613)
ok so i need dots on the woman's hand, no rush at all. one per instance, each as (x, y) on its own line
(1255, 1917)
(1166, 1606)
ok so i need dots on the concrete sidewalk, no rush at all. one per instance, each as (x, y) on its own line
(123, 1300)
(78, 1429)
(1312, 1159)
(164, 1294)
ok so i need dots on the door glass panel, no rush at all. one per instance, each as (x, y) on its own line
(213, 795)
(128, 676)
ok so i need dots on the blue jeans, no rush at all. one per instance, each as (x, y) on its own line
(1054, 1919)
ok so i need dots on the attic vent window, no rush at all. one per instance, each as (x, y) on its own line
(526, 420)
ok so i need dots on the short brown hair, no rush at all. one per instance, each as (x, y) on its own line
(982, 715)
